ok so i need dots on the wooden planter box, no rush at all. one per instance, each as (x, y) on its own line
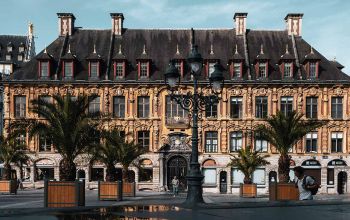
(283, 192)
(8, 186)
(64, 193)
(248, 190)
(129, 189)
(110, 190)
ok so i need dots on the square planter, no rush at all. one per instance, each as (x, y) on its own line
(248, 190)
(110, 190)
(129, 189)
(60, 194)
(8, 186)
(283, 192)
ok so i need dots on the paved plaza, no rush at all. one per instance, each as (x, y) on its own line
(28, 204)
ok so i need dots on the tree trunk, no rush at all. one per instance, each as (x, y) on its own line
(283, 168)
(67, 170)
(111, 173)
(247, 180)
(125, 174)
(6, 172)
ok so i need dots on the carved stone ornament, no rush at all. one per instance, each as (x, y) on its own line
(313, 91)
(19, 91)
(338, 91)
(235, 92)
(44, 90)
(117, 91)
(176, 142)
(143, 91)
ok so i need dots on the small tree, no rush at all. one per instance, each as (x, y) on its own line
(247, 162)
(12, 152)
(283, 131)
(70, 126)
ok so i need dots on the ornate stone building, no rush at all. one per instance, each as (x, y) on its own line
(265, 71)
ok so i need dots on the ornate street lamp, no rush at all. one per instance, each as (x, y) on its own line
(194, 102)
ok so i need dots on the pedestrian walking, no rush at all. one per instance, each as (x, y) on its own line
(306, 185)
(175, 184)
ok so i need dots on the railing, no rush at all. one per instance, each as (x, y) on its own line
(177, 121)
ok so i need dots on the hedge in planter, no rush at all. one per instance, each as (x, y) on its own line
(283, 131)
(247, 161)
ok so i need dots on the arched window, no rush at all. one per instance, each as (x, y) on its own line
(146, 171)
(209, 172)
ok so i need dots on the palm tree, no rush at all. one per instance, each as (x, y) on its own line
(283, 131)
(247, 161)
(12, 152)
(69, 125)
(107, 152)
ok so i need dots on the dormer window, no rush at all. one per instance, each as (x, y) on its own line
(262, 70)
(20, 57)
(287, 70)
(179, 65)
(312, 70)
(21, 49)
(8, 57)
(119, 69)
(237, 70)
(311, 64)
(9, 48)
(94, 69)
(44, 69)
(68, 69)
(236, 65)
(144, 64)
(179, 61)
(143, 69)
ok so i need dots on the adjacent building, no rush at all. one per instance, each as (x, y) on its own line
(265, 71)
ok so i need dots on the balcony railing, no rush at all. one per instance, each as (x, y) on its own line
(178, 122)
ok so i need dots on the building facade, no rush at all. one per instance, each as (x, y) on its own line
(265, 71)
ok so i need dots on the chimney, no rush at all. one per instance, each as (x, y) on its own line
(294, 23)
(117, 23)
(241, 23)
(65, 24)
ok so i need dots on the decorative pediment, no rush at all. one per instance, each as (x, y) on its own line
(176, 142)
(117, 91)
(312, 90)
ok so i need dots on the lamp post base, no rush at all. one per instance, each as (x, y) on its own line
(195, 191)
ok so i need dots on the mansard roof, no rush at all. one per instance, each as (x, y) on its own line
(161, 45)
(11, 40)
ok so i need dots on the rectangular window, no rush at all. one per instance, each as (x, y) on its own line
(119, 106)
(21, 139)
(262, 70)
(330, 176)
(143, 106)
(44, 98)
(144, 69)
(8, 57)
(119, 70)
(20, 106)
(178, 66)
(211, 68)
(311, 107)
(337, 142)
(286, 105)
(311, 142)
(211, 111)
(312, 73)
(209, 176)
(260, 144)
(237, 70)
(236, 141)
(44, 68)
(68, 69)
(20, 49)
(9, 49)
(174, 110)
(20, 57)
(94, 71)
(143, 139)
(337, 107)
(236, 107)
(259, 176)
(45, 144)
(261, 106)
(211, 142)
(287, 70)
(237, 177)
(94, 105)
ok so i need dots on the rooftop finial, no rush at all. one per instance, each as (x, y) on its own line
(311, 50)
(45, 49)
(144, 49)
(69, 48)
(94, 48)
(335, 58)
(236, 49)
(287, 50)
(120, 49)
(211, 49)
(261, 49)
(177, 49)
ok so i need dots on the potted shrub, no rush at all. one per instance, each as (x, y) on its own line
(11, 152)
(247, 161)
(110, 152)
(283, 131)
(72, 129)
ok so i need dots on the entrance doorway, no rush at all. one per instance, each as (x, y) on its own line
(177, 166)
(342, 178)
(223, 182)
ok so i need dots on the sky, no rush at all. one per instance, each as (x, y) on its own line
(326, 23)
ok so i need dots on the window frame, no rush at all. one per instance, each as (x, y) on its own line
(143, 138)
(261, 107)
(311, 107)
(311, 142)
(94, 69)
(235, 140)
(286, 104)
(120, 106)
(143, 108)
(22, 111)
(337, 148)
(211, 142)
(236, 102)
(337, 113)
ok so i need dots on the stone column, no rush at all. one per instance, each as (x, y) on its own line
(161, 172)
(57, 172)
(32, 174)
(323, 183)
